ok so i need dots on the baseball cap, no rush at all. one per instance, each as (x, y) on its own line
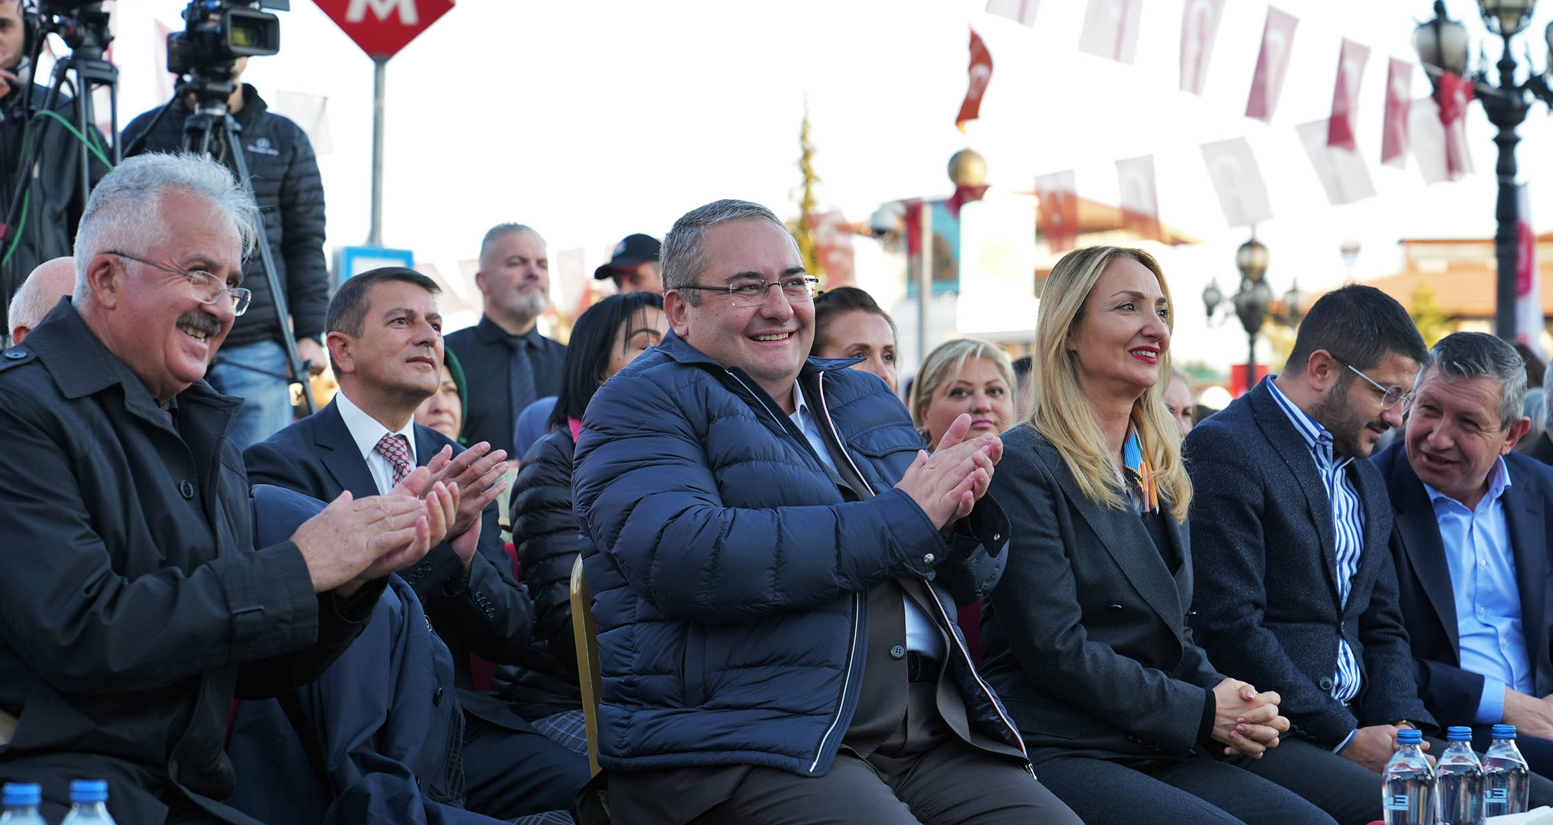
(634, 250)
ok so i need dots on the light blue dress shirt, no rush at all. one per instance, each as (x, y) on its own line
(1488, 603)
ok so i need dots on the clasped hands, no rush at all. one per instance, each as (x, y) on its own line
(948, 483)
(1245, 721)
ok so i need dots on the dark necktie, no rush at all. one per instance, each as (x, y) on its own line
(521, 370)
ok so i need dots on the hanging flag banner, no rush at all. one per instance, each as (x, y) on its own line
(1199, 28)
(1139, 197)
(1056, 217)
(1022, 11)
(1342, 172)
(1345, 97)
(1237, 181)
(1454, 94)
(980, 73)
(1529, 323)
(1272, 64)
(1399, 98)
(833, 244)
(311, 112)
(1111, 29)
(1426, 137)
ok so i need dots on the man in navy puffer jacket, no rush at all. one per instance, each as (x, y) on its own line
(774, 563)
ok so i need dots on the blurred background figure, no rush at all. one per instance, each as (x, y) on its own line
(848, 324)
(610, 335)
(1178, 400)
(444, 411)
(634, 266)
(1024, 389)
(963, 376)
(50, 281)
(1542, 447)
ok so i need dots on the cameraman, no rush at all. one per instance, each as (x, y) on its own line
(53, 201)
(252, 364)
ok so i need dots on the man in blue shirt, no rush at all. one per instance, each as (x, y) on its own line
(1470, 545)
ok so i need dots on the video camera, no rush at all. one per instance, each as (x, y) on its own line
(217, 32)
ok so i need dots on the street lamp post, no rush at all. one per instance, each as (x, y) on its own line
(1254, 300)
(1442, 44)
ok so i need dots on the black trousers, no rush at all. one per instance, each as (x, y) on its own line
(509, 773)
(1193, 791)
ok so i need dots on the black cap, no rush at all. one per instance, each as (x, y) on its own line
(632, 252)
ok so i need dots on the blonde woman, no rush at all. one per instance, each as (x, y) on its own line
(963, 376)
(1084, 637)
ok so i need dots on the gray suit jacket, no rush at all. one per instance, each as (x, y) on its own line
(1264, 547)
(1085, 636)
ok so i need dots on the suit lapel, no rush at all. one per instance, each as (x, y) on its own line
(1375, 505)
(1420, 533)
(1178, 533)
(1524, 520)
(1295, 453)
(339, 454)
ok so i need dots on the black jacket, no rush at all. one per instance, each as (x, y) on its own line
(134, 606)
(545, 529)
(290, 194)
(1429, 602)
(1085, 636)
(1263, 548)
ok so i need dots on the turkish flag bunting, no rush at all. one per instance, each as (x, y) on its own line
(1057, 215)
(1199, 27)
(1020, 10)
(833, 245)
(1529, 322)
(1399, 101)
(1454, 94)
(1272, 63)
(1139, 197)
(963, 195)
(1238, 181)
(1111, 29)
(980, 73)
(1345, 97)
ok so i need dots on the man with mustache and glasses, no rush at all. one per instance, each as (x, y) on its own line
(774, 561)
(384, 334)
(507, 364)
(135, 604)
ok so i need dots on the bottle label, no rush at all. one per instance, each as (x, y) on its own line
(1394, 801)
(1499, 795)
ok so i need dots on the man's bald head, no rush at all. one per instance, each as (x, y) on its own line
(43, 288)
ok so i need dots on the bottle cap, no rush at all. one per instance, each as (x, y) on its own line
(88, 790)
(1504, 732)
(1408, 736)
(22, 795)
(1458, 733)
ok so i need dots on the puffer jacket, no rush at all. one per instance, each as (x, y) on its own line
(729, 576)
(546, 533)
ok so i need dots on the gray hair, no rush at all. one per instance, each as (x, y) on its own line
(1462, 356)
(500, 231)
(38, 294)
(125, 209)
(1547, 391)
(681, 254)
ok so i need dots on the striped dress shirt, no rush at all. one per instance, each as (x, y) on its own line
(1348, 527)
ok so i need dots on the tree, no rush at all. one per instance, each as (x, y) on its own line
(1428, 315)
(801, 229)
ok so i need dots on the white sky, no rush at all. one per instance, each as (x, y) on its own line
(590, 120)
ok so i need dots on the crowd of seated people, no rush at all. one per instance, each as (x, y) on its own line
(1008, 597)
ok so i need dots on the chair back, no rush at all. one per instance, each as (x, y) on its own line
(585, 633)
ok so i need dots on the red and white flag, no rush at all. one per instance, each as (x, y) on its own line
(1272, 64)
(1394, 142)
(1427, 139)
(1057, 216)
(1237, 181)
(1199, 28)
(1345, 97)
(1139, 197)
(1454, 94)
(1020, 10)
(1111, 29)
(833, 244)
(980, 73)
(1529, 322)
(1342, 172)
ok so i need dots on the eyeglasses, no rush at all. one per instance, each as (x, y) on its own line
(798, 289)
(208, 288)
(1390, 396)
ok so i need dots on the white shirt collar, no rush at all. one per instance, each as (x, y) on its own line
(366, 431)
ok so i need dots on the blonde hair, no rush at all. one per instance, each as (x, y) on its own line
(946, 360)
(1063, 414)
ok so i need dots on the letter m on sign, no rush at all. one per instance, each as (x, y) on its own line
(382, 27)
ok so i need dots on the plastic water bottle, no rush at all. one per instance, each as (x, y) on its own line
(1460, 777)
(1505, 775)
(88, 803)
(1407, 785)
(21, 803)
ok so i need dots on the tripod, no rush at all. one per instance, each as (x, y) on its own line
(211, 130)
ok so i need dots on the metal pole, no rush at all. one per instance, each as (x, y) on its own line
(1506, 113)
(924, 281)
(1251, 363)
(379, 80)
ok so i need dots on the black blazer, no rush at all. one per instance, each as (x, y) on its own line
(1264, 549)
(1542, 449)
(1424, 580)
(1085, 636)
(488, 614)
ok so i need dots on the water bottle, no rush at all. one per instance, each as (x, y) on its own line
(1407, 785)
(1460, 780)
(1505, 775)
(88, 803)
(21, 803)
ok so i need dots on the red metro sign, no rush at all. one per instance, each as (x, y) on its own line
(382, 27)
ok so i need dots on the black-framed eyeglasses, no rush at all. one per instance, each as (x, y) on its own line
(208, 287)
(1390, 396)
(795, 288)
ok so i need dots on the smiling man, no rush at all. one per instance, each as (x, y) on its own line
(773, 562)
(1470, 545)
